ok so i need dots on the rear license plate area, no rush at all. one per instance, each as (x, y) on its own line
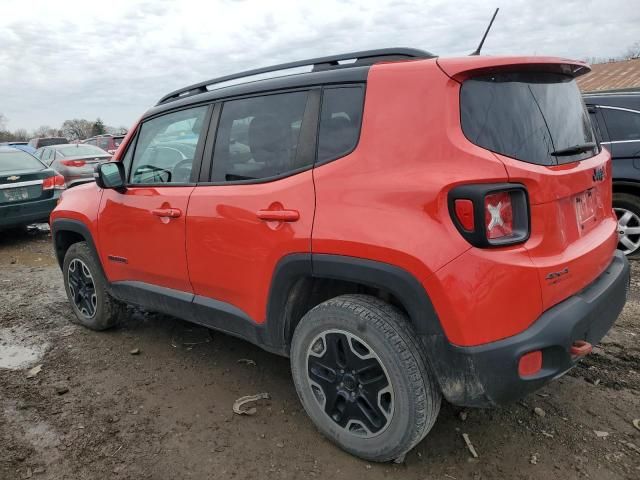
(15, 194)
(586, 204)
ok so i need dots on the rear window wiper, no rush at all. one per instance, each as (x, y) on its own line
(583, 147)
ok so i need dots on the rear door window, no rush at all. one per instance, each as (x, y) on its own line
(621, 124)
(258, 137)
(46, 156)
(340, 120)
(536, 117)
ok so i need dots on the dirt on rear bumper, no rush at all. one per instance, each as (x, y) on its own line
(487, 375)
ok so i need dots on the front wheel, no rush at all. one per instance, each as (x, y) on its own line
(86, 289)
(363, 378)
(627, 208)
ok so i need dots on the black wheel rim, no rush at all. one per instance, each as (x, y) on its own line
(81, 288)
(350, 383)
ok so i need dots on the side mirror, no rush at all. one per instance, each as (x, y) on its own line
(110, 175)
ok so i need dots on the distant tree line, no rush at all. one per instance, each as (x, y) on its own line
(631, 53)
(75, 129)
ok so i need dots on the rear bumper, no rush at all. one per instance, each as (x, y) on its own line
(487, 375)
(17, 214)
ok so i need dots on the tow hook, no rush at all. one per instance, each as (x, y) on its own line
(580, 348)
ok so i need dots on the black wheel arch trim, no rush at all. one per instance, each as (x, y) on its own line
(61, 225)
(395, 280)
(404, 286)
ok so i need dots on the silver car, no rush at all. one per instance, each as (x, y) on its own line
(74, 161)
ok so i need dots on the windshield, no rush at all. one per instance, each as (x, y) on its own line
(81, 149)
(535, 117)
(18, 160)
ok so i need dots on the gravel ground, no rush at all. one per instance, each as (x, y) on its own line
(97, 411)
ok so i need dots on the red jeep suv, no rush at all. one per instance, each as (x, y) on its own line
(403, 227)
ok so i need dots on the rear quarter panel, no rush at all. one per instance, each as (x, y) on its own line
(387, 201)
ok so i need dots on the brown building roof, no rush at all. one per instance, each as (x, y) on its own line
(612, 76)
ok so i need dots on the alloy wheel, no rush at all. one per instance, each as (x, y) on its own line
(350, 383)
(82, 288)
(628, 230)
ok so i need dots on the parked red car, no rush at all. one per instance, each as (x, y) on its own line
(108, 143)
(403, 227)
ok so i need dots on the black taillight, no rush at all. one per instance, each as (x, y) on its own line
(491, 215)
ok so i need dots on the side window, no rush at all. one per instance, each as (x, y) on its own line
(45, 156)
(166, 147)
(621, 124)
(340, 120)
(593, 115)
(258, 137)
(103, 143)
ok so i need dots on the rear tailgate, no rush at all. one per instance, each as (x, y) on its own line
(573, 229)
(529, 112)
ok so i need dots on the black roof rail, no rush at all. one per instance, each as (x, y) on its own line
(366, 57)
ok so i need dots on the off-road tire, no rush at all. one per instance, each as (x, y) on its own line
(108, 310)
(391, 337)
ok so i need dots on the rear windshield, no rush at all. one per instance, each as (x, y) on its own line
(18, 160)
(535, 117)
(81, 149)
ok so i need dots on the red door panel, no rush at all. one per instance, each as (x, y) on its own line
(142, 234)
(236, 234)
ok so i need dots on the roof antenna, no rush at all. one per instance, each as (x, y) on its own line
(477, 52)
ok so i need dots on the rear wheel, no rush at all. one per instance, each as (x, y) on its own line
(86, 289)
(627, 208)
(363, 378)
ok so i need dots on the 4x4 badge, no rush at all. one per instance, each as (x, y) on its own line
(598, 174)
(555, 275)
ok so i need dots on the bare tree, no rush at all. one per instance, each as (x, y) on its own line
(42, 131)
(77, 129)
(21, 134)
(633, 51)
(3, 121)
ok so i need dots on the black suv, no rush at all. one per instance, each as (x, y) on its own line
(616, 118)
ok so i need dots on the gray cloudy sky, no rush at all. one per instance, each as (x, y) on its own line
(65, 59)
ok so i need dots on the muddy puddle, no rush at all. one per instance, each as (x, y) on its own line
(19, 349)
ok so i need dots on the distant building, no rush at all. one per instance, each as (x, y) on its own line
(622, 75)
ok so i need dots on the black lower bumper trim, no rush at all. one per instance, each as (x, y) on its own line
(487, 375)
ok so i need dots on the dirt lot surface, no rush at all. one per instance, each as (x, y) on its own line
(97, 411)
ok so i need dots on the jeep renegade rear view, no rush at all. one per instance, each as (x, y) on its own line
(403, 227)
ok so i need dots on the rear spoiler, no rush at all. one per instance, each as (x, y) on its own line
(462, 68)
